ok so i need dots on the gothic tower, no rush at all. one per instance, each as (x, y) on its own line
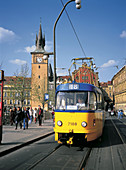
(39, 76)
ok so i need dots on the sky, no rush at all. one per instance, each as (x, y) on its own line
(100, 26)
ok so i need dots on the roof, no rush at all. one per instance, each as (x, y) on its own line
(9, 80)
(124, 67)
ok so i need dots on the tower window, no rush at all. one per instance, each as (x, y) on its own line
(39, 77)
(39, 87)
(38, 66)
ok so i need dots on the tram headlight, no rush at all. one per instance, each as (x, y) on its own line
(59, 123)
(83, 124)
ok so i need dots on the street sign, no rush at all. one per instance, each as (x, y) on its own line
(46, 96)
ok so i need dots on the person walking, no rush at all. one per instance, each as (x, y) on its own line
(25, 117)
(31, 114)
(11, 116)
(120, 114)
(18, 118)
(14, 114)
(40, 115)
(35, 115)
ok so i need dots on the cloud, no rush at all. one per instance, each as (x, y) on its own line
(6, 35)
(109, 64)
(123, 34)
(48, 47)
(18, 62)
(30, 49)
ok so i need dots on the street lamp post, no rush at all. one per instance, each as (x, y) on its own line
(78, 6)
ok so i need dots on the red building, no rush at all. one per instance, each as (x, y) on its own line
(85, 74)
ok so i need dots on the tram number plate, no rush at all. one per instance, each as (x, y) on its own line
(72, 123)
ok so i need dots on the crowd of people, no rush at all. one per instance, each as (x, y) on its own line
(25, 116)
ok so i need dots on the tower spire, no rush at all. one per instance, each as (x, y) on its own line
(40, 40)
(36, 40)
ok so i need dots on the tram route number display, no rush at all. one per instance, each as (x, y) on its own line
(72, 123)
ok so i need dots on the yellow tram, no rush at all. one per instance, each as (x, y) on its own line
(79, 113)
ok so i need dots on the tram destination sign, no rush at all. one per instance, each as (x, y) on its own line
(73, 86)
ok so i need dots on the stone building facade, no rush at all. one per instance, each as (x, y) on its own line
(119, 88)
(108, 87)
(15, 92)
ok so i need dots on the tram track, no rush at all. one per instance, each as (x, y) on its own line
(122, 142)
(43, 158)
(85, 159)
(118, 132)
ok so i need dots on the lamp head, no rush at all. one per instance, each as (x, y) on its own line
(78, 4)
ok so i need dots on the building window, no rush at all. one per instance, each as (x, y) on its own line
(39, 77)
(109, 88)
(11, 94)
(85, 77)
(5, 94)
(77, 77)
(11, 102)
(28, 102)
(39, 87)
(28, 93)
(38, 66)
(5, 101)
(16, 94)
(16, 101)
(24, 102)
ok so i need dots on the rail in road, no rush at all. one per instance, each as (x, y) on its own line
(109, 153)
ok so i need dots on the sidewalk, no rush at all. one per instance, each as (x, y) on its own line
(12, 139)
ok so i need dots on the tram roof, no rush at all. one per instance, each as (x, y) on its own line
(77, 87)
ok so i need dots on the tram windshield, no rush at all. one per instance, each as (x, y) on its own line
(76, 101)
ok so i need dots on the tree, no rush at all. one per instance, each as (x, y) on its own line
(20, 84)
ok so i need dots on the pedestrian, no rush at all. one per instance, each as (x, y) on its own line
(11, 116)
(18, 118)
(40, 115)
(120, 114)
(25, 117)
(14, 114)
(35, 115)
(31, 114)
(53, 114)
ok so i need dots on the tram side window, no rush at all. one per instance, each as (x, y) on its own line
(92, 101)
(60, 103)
(99, 101)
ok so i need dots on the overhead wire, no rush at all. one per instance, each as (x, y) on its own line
(74, 30)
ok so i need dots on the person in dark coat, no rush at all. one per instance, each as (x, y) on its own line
(25, 117)
(14, 114)
(18, 118)
(11, 116)
(40, 115)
